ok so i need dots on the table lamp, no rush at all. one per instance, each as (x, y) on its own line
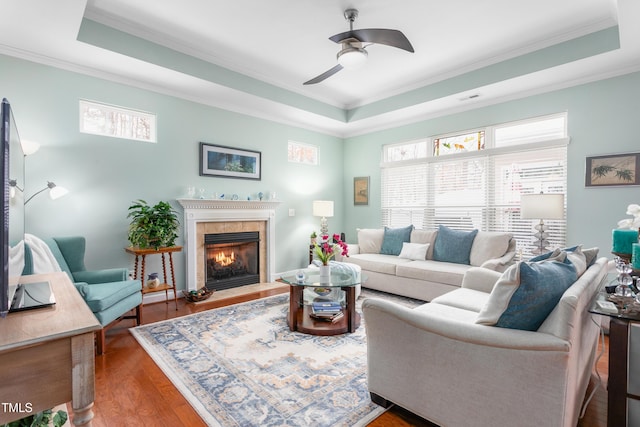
(541, 206)
(324, 209)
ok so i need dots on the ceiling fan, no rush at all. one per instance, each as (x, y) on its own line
(353, 51)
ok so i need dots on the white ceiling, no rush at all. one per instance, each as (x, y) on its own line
(285, 42)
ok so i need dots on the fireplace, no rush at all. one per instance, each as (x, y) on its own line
(231, 259)
(203, 217)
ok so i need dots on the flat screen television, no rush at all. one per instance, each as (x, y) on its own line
(12, 202)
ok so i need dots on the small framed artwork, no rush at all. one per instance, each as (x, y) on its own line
(298, 152)
(613, 170)
(361, 190)
(218, 160)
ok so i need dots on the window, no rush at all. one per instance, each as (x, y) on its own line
(117, 122)
(478, 183)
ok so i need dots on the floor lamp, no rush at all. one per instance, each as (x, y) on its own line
(541, 206)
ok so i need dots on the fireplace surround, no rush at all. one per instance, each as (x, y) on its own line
(205, 216)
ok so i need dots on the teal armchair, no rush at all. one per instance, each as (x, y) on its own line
(109, 293)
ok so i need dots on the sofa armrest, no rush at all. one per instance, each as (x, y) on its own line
(500, 264)
(480, 279)
(101, 276)
(380, 311)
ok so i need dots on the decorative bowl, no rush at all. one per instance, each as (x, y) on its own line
(322, 291)
(199, 295)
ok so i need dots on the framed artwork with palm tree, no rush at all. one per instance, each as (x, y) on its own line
(613, 170)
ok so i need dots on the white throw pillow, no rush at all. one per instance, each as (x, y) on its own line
(414, 251)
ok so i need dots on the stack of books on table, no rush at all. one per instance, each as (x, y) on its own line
(329, 311)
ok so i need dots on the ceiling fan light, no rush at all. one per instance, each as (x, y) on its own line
(352, 57)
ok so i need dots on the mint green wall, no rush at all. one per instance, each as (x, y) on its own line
(104, 175)
(602, 119)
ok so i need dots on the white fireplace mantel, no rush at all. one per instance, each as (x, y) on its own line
(209, 210)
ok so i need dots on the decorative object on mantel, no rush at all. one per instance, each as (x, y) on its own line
(196, 296)
(152, 226)
(229, 162)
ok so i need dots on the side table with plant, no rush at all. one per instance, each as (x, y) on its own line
(325, 250)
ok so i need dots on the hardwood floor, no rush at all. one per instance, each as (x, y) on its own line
(131, 390)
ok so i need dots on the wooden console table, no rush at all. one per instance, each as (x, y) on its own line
(142, 253)
(47, 355)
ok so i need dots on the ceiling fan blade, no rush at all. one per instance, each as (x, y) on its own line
(324, 75)
(392, 38)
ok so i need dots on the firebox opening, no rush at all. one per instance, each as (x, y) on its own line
(231, 259)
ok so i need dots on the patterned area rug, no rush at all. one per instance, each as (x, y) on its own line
(241, 366)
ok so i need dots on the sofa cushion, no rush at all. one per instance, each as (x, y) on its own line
(393, 239)
(433, 271)
(464, 298)
(370, 240)
(425, 236)
(453, 245)
(488, 245)
(526, 293)
(378, 263)
(414, 251)
(101, 296)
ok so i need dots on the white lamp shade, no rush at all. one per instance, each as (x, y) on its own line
(542, 206)
(29, 147)
(323, 208)
(57, 192)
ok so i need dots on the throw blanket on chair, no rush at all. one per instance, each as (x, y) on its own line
(43, 259)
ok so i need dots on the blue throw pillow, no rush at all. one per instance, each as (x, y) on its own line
(541, 287)
(394, 238)
(453, 245)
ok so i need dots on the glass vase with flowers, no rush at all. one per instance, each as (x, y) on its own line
(325, 250)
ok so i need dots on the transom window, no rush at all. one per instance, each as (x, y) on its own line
(474, 179)
(117, 122)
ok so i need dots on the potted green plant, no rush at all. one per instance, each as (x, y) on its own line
(45, 418)
(152, 226)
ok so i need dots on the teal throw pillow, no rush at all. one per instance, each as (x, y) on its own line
(453, 245)
(394, 238)
(541, 285)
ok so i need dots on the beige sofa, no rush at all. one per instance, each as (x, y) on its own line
(438, 362)
(425, 278)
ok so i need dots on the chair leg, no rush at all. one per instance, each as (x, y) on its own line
(100, 341)
(139, 315)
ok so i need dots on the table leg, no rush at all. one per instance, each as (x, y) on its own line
(295, 293)
(173, 280)
(142, 274)
(83, 380)
(352, 322)
(135, 268)
(617, 382)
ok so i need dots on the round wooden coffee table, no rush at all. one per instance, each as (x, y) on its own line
(299, 318)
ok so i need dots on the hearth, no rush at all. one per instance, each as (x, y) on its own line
(231, 259)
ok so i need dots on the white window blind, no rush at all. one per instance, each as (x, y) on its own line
(479, 190)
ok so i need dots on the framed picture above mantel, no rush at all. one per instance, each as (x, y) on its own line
(230, 162)
(613, 170)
